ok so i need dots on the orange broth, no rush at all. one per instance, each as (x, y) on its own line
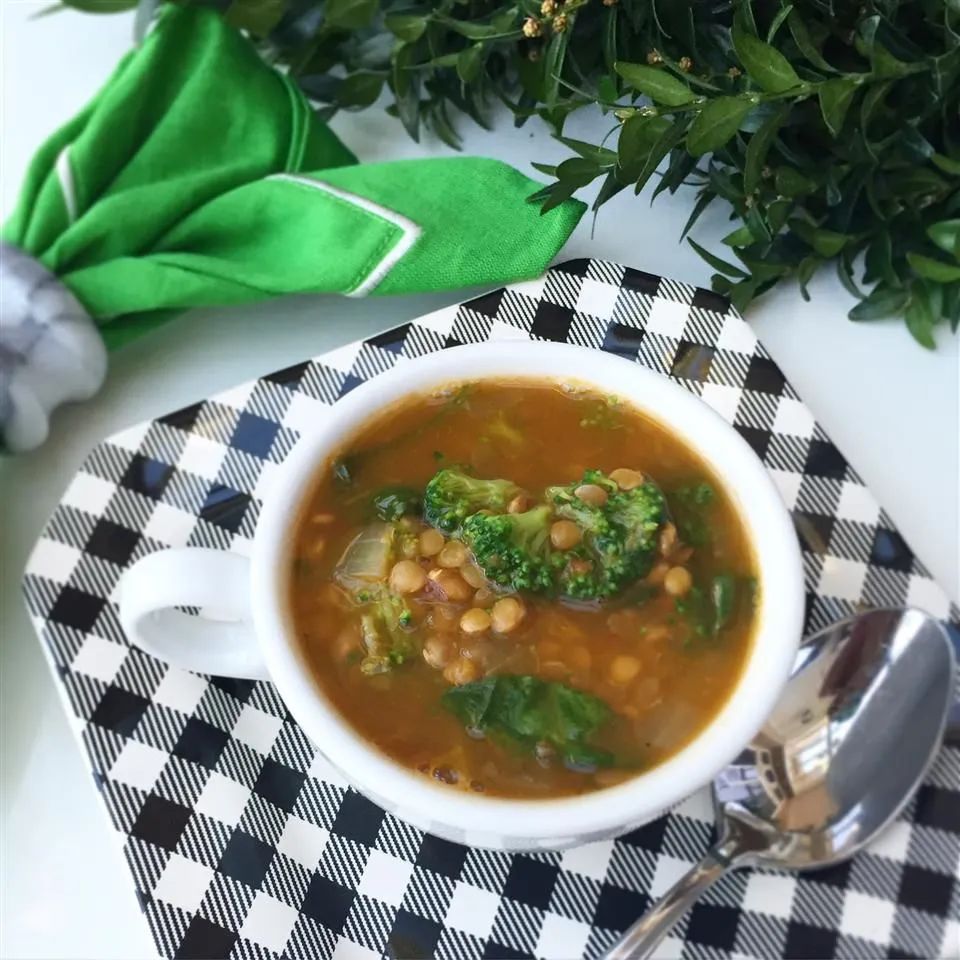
(663, 671)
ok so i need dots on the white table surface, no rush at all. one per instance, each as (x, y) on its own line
(891, 407)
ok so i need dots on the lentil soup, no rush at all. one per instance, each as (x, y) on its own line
(522, 588)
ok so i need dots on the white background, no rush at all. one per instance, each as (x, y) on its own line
(890, 406)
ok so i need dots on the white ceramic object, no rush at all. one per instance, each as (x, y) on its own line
(257, 641)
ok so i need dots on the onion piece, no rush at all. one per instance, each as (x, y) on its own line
(367, 559)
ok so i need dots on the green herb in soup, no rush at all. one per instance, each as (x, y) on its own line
(395, 503)
(540, 717)
(691, 507)
(493, 589)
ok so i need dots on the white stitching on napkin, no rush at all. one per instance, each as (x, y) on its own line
(67, 186)
(411, 231)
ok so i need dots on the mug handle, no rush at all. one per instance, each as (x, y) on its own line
(155, 585)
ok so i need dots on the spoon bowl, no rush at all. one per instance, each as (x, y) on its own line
(853, 734)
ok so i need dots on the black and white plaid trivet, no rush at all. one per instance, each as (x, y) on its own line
(244, 844)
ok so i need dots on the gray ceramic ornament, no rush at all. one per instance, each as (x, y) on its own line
(50, 350)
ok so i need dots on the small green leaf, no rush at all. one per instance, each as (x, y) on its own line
(946, 235)
(472, 31)
(766, 65)
(872, 101)
(407, 27)
(658, 85)
(915, 182)
(257, 17)
(443, 128)
(883, 302)
(946, 164)
(681, 166)
(350, 14)
(578, 171)
(607, 91)
(741, 237)
(405, 85)
(716, 124)
(722, 265)
(470, 63)
(504, 21)
(553, 61)
(921, 317)
(742, 294)
(951, 305)
(914, 145)
(878, 261)
(759, 147)
(743, 18)
(931, 269)
(557, 193)
(703, 201)
(828, 243)
(758, 225)
(667, 140)
(444, 60)
(763, 270)
(637, 137)
(777, 213)
(777, 21)
(884, 63)
(610, 45)
(805, 44)
(100, 6)
(835, 99)
(601, 155)
(360, 89)
(805, 271)
(845, 274)
(610, 187)
(721, 284)
(550, 169)
(792, 183)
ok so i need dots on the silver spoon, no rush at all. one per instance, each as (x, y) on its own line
(858, 725)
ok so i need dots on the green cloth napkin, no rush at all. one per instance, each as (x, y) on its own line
(199, 176)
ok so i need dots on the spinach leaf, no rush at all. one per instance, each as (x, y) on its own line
(707, 612)
(526, 710)
(722, 593)
(690, 506)
(393, 503)
(342, 472)
(694, 607)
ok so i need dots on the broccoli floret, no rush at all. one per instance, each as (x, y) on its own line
(384, 624)
(619, 536)
(640, 512)
(513, 549)
(590, 519)
(452, 496)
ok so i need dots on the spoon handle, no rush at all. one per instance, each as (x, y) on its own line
(640, 940)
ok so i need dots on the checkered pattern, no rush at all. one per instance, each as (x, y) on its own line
(243, 843)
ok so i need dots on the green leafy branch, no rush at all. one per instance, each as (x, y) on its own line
(830, 128)
(817, 165)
